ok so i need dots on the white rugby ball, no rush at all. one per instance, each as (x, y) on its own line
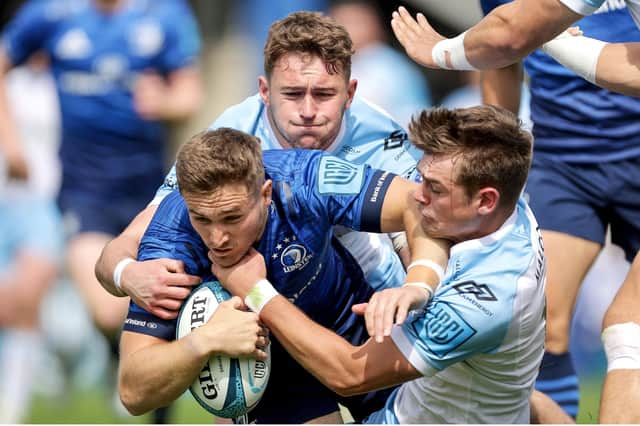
(226, 387)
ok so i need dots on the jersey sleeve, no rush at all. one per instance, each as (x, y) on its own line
(450, 329)
(583, 7)
(169, 235)
(182, 44)
(349, 194)
(169, 185)
(28, 30)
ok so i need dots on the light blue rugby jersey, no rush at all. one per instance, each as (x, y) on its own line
(587, 7)
(95, 60)
(303, 260)
(479, 342)
(369, 136)
(576, 121)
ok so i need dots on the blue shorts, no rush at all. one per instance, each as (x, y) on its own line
(583, 199)
(84, 213)
(30, 223)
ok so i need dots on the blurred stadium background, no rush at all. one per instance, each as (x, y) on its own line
(75, 379)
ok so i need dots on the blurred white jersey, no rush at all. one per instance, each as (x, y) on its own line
(479, 342)
(587, 7)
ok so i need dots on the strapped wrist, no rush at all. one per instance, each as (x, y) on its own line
(117, 272)
(423, 286)
(455, 48)
(261, 293)
(437, 269)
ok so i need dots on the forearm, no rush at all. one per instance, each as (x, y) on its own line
(158, 374)
(184, 95)
(502, 87)
(618, 68)
(512, 31)
(123, 246)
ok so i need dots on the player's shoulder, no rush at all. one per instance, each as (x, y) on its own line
(243, 116)
(290, 163)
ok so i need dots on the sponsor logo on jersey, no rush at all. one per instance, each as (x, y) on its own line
(395, 140)
(336, 176)
(611, 5)
(479, 291)
(75, 44)
(293, 255)
(146, 39)
(446, 329)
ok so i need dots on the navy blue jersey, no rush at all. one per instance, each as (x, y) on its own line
(574, 120)
(106, 148)
(312, 192)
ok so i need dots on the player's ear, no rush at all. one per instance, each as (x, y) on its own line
(265, 191)
(487, 199)
(263, 89)
(351, 91)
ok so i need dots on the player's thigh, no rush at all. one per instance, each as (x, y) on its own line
(625, 206)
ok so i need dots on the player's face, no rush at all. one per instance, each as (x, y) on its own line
(447, 212)
(229, 220)
(304, 102)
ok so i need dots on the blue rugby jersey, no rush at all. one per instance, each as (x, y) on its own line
(95, 58)
(369, 136)
(304, 261)
(574, 120)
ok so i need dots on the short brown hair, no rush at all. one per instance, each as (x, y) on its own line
(494, 148)
(310, 33)
(214, 158)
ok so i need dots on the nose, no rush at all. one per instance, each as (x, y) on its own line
(218, 237)
(421, 196)
(308, 108)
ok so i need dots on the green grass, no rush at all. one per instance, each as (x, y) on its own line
(94, 406)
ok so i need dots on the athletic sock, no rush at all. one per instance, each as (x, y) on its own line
(17, 355)
(558, 380)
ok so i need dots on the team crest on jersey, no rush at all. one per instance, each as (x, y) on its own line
(446, 329)
(146, 39)
(75, 44)
(293, 255)
(336, 176)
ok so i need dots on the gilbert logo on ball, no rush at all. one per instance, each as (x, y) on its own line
(226, 387)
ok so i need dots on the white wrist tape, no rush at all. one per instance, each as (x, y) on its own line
(422, 285)
(429, 264)
(577, 53)
(455, 48)
(260, 295)
(622, 345)
(117, 272)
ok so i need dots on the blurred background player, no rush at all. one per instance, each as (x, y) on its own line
(385, 76)
(31, 230)
(120, 68)
(582, 180)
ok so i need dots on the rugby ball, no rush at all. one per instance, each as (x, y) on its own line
(226, 387)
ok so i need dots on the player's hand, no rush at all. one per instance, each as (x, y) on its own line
(416, 36)
(17, 167)
(159, 286)
(389, 307)
(235, 332)
(240, 278)
(150, 96)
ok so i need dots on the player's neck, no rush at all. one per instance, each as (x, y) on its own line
(108, 6)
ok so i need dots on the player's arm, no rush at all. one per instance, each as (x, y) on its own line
(502, 87)
(621, 340)
(154, 372)
(10, 147)
(157, 285)
(175, 97)
(344, 368)
(507, 34)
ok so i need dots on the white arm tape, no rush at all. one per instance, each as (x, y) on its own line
(622, 345)
(455, 47)
(260, 295)
(422, 285)
(578, 53)
(117, 272)
(429, 264)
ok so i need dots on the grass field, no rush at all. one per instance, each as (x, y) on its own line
(94, 407)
